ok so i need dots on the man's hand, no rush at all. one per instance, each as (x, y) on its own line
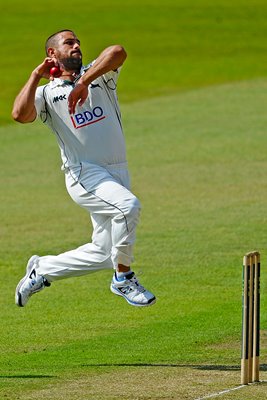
(43, 70)
(78, 95)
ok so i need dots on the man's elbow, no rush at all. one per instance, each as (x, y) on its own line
(19, 117)
(120, 53)
(16, 115)
(121, 50)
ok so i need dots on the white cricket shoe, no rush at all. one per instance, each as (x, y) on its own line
(31, 283)
(134, 293)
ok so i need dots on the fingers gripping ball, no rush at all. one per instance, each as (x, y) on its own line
(55, 72)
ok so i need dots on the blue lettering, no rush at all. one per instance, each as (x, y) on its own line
(79, 118)
(88, 115)
(98, 112)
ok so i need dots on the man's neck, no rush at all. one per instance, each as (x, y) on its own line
(69, 75)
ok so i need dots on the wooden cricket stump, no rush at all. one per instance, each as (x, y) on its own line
(250, 351)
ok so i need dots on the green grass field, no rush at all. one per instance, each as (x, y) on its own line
(193, 98)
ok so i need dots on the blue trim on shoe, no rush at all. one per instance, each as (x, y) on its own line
(133, 303)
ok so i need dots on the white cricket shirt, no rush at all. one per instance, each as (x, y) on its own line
(94, 133)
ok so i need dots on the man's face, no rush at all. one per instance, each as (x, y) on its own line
(68, 52)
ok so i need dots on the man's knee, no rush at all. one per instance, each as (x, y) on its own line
(133, 208)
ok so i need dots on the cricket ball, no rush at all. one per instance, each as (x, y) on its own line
(55, 72)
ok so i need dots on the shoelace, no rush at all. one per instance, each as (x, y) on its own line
(138, 287)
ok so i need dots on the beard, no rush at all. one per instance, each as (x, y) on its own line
(71, 63)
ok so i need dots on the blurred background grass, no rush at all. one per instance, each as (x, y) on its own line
(172, 46)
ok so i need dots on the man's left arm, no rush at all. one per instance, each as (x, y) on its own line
(109, 60)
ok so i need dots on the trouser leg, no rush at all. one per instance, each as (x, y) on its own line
(114, 211)
(112, 200)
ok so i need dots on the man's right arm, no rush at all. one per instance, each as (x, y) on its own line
(24, 105)
(24, 108)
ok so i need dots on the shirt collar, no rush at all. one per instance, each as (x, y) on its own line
(60, 82)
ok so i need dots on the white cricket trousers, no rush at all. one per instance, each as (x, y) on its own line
(114, 211)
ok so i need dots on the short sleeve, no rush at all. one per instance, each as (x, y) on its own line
(110, 78)
(40, 101)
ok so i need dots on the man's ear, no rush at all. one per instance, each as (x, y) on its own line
(50, 51)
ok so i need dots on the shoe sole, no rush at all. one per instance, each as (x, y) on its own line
(18, 299)
(132, 303)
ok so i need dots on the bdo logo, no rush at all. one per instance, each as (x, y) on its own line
(88, 117)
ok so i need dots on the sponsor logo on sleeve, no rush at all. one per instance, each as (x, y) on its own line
(94, 85)
(87, 117)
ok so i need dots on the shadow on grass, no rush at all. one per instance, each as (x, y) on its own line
(204, 367)
(27, 376)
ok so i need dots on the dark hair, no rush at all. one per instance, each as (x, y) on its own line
(51, 41)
